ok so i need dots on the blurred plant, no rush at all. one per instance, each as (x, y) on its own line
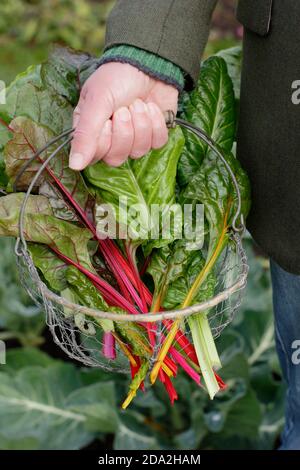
(20, 318)
(224, 22)
(79, 24)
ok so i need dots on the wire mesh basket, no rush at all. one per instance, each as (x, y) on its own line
(75, 328)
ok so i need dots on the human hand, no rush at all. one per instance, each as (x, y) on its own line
(120, 115)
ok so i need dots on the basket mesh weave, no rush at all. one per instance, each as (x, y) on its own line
(75, 329)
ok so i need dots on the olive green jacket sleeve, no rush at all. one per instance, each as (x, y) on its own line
(176, 30)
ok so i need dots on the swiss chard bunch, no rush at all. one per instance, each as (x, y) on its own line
(129, 266)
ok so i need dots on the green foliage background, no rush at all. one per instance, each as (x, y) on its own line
(48, 403)
(27, 27)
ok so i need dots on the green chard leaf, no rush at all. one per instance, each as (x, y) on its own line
(52, 268)
(233, 58)
(3, 176)
(88, 295)
(213, 187)
(141, 183)
(179, 288)
(166, 266)
(27, 138)
(47, 93)
(27, 97)
(62, 72)
(135, 335)
(211, 107)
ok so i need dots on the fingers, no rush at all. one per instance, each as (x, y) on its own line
(122, 138)
(92, 111)
(142, 129)
(159, 128)
(131, 132)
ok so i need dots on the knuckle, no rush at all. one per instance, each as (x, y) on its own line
(160, 128)
(125, 134)
(115, 160)
(138, 153)
(143, 124)
(160, 141)
(81, 134)
(159, 144)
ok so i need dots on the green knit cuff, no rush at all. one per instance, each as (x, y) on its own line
(150, 63)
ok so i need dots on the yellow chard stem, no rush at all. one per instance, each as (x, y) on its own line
(202, 338)
(128, 399)
(205, 271)
(164, 351)
(125, 350)
(135, 383)
(167, 370)
(187, 302)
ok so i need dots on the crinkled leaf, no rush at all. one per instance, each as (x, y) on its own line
(42, 227)
(10, 206)
(27, 96)
(27, 138)
(57, 202)
(14, 97)
(174, 269)
(61, 72)
(179, 288)
(213, 187)
(211, 107)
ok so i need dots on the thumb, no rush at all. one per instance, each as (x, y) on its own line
(94, 111)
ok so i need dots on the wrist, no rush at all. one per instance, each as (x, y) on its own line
(149, 63)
